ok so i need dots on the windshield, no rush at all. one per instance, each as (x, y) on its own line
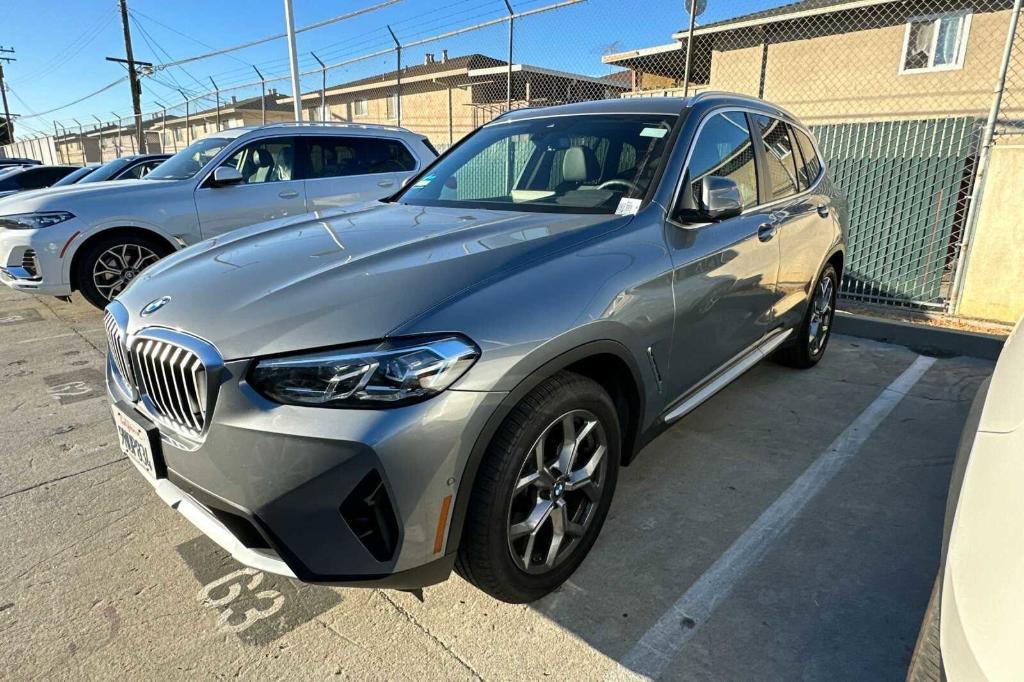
(561, 164)
(189, 160)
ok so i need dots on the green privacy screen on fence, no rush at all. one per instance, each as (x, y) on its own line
(904, 183)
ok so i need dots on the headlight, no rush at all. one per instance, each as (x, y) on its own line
(387, 374)
(34, 221)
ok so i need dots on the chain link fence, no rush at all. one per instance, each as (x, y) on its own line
(906, 97)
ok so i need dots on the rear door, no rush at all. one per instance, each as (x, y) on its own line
(345, 169)
(800, 214)
(271, 188)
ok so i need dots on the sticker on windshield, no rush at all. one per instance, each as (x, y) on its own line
(628, 207)
(425, 181)
(653, 132)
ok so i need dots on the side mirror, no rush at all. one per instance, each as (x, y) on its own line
(227, 175)
(720, 197)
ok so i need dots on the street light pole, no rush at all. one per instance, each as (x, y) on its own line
(293, 59)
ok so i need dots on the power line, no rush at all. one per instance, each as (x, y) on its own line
(260, 41)
(71, 50)
(106, 87)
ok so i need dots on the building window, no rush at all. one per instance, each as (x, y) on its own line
(392, 107)
(935, 43)
(177, 134)
(360, 107)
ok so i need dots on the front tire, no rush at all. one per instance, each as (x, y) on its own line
(107, 265)
(543, 490)
(816, 328)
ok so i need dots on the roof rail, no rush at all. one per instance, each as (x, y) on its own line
(334, 124)
(705, 94)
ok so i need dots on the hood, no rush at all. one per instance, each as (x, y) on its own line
(353, 275)
(68, 197)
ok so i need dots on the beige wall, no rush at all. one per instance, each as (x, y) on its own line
(424, 111)
(856, 75)
(994, 281)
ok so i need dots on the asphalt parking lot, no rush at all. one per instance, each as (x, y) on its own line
(788, 529)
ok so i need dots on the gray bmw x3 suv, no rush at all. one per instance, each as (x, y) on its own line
(451, 377)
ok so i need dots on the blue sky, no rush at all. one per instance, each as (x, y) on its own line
(61, 44)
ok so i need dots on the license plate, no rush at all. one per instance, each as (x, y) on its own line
(139, 443)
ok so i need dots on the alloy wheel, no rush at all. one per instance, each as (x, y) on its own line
(821, 315)
(557, 491)
(116, 267)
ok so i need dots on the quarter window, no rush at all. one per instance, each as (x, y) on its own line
(779, 159)
(935, 43)
(808, 172)
(331, 157)
(724, 148)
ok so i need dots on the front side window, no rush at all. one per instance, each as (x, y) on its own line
(935, 43)
(559, 164)
(779, 158)
(262, 161)
(331, 156)
(724, 148)
(189, 160)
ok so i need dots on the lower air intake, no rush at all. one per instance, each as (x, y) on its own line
(369, 513)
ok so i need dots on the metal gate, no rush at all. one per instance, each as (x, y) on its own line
(906, 184)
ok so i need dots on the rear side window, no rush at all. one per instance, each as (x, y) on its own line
(336, 156)
(811, 167)
(779, 157)
(724, 148)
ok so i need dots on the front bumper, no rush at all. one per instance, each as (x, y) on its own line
(279, 487)
(35, 260)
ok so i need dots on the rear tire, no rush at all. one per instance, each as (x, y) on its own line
(107, 265)
(816, 328)
(505, 551)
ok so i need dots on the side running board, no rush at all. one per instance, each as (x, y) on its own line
(731, 372)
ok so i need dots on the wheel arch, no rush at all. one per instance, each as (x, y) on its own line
(93, 237)
(593, 360)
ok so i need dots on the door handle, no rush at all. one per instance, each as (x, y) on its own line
(765, 231)
(386, 183)
(823, 210)
(288, 194)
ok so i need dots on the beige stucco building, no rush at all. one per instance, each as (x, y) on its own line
(177, 132)
(444, 98)
(899, 92)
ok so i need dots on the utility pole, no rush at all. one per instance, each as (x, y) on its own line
(293, 59)
(133, 76)
(3, 90)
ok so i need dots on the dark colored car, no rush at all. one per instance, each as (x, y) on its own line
(32, 177)
(75, 176)
(126, 168)
(17, 161)
(452, 376)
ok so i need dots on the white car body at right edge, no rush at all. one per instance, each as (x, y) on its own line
(982, 597)
(285, 169)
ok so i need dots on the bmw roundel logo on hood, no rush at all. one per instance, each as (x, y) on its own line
(154, 306)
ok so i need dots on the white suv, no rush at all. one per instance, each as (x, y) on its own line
(96, 238)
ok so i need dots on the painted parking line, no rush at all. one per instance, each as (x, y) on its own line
(255, 606)
(10, 318)
(652, 654)
(74, 386)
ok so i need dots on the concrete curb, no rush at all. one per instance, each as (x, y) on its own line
(926, 339)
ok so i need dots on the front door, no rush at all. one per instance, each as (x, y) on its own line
(725, 272)
(270, 188)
